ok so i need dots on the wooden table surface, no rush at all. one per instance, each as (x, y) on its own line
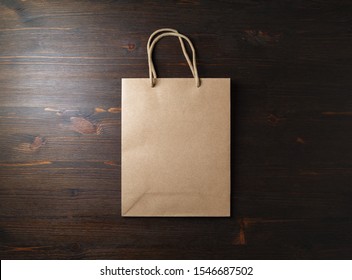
(61, 64)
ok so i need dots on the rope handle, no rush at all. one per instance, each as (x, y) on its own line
(171, 32)
(152, 71)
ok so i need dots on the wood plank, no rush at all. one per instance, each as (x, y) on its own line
(61, 64)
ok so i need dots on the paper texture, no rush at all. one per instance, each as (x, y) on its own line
(176, 147)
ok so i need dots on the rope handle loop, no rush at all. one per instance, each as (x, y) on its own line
(152, 68)
(171, 32)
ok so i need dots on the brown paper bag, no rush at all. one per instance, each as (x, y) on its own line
(175, 143)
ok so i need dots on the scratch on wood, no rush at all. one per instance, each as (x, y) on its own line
(241, 238)
(99, 110)
(310, 173)
(337, 113)
(250, 221)
(66, 113)
(261, 38)
(114, 110)
(188, 2)
(100, 129)
(300, 140)
(36, 28)
(274, 120)
(57, 56)
(23, 249)
(27, 249)
(50, 109)
(113, 163)
(34, 163)
(63, 112)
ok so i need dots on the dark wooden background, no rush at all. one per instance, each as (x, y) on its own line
(61, 64)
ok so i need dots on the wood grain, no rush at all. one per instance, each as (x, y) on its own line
(61, 64)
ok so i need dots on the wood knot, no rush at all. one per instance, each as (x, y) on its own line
(32, 146)
(74, 192)
(83, 126)
(76, 247)
(37, 143)
(129, 46)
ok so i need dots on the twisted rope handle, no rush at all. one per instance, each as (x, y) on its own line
(152, 71)
(171, 32)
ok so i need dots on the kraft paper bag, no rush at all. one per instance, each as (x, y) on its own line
(175, 142)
